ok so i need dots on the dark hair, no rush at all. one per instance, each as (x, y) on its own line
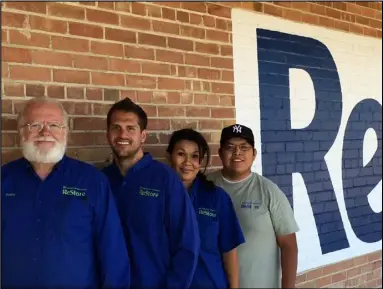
(203, 147)
(127, 105)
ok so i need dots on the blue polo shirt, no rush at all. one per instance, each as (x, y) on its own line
(63, 232)
(220, 233)
(159, 223)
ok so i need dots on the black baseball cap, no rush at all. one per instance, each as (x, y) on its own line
(237, 130)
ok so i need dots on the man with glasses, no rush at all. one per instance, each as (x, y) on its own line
(264, 213)
(60, 227)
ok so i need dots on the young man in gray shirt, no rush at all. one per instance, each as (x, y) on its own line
(269, 257)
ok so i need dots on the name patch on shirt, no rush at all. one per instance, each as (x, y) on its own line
(75, 192)
(207, 212)
(153, 193)
(250, 205)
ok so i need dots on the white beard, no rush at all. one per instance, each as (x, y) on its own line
(33, 154)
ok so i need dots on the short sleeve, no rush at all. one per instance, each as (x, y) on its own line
(230, 232)
(282, 214)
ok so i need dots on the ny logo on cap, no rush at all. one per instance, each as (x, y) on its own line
(237, 129)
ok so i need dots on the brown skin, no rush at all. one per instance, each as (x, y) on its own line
(48, 113)
(289, 259)
(185, 159)
(126, 139)
(231, 265)
(236, 162)
(236, 171)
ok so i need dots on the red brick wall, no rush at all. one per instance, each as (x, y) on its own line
(175, 59)
(362, 272)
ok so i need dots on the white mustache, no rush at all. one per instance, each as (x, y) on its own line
(45, 138)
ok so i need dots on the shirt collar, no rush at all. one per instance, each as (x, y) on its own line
(195, 187)
(58, 166)
(142, 163)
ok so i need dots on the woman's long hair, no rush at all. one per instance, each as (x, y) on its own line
(203, 147)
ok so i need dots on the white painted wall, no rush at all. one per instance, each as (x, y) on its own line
(359, 63)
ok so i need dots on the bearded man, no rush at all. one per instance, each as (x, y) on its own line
(60, 226)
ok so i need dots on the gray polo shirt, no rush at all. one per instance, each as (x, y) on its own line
(264, 213)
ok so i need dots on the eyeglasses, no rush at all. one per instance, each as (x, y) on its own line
(38, 126)
(233, 148)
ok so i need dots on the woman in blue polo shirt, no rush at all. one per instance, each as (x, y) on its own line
(219, 228)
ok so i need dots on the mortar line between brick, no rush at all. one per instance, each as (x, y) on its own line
(118, 88)
(118, 57)
(110, 72)
(98, 132)
(151, 118)
(123, 88)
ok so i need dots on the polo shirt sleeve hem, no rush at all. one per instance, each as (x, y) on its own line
(282, 214)
(231, 235)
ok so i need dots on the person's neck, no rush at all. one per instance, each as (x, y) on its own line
(233, 176)
(43, 169)
(187, 184)
(124, 164)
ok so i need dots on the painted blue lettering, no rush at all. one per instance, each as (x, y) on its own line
(359, 180)
(286, 150)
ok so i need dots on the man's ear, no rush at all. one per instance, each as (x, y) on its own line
(255, 154)
(144, 135)
(220, 153)
(19, 137)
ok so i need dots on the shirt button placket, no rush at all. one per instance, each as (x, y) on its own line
(38, 224)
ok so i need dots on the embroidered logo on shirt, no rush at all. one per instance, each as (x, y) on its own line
(256, 204)
(75, 192)
(149, 192)
(250, 205)
(10, 194)
(246, 205)
(207, 212)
